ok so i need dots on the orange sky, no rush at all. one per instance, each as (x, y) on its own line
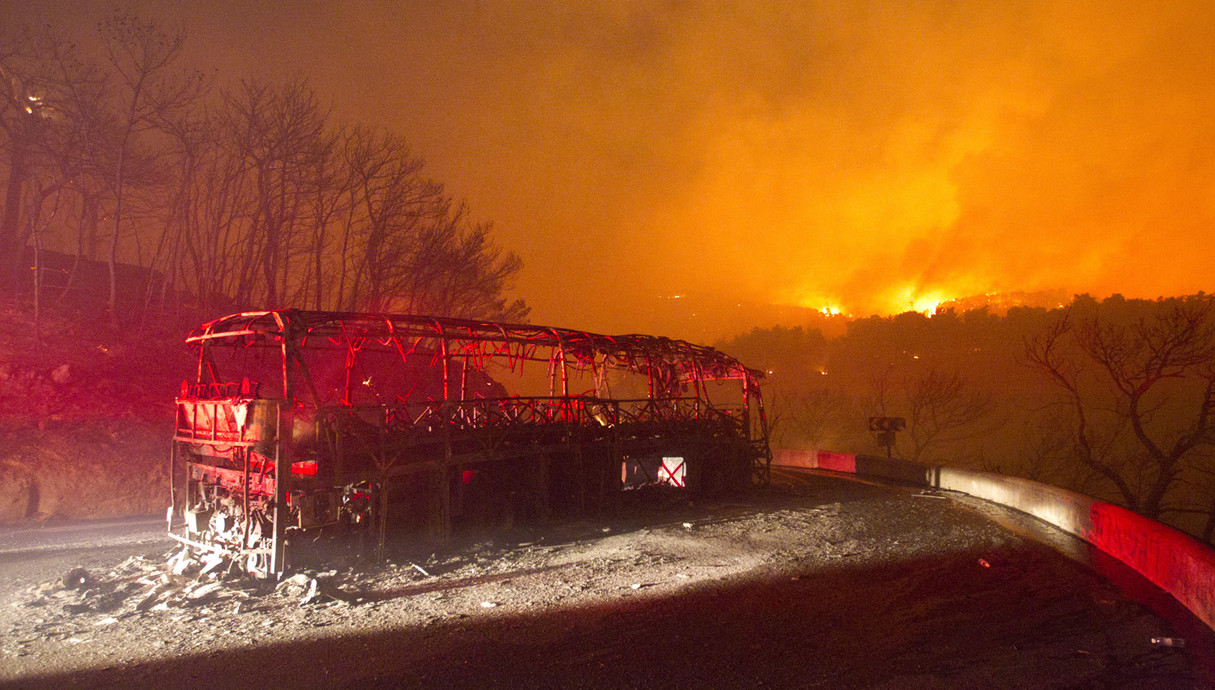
(869, 156)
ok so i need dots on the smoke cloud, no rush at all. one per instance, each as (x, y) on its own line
(866, 156)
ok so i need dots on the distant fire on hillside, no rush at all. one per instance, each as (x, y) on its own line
(999, 303)
(931, 302)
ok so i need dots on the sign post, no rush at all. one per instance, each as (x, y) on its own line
(884, 429)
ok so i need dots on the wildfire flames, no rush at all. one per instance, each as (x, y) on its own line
(856, 159)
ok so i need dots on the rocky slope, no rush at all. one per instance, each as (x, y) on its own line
(85, 414)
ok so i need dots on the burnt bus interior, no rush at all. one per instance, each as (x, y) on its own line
(299, 421)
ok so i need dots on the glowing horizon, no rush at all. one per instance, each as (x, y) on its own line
(866, 158)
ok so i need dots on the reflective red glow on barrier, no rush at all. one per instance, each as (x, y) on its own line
(1172, 560)
(838, 462)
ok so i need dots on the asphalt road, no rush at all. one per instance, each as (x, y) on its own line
(17, 543)
(1040, 612)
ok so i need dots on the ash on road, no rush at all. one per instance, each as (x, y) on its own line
(822, 582)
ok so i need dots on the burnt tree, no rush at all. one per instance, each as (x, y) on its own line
(1139, 392)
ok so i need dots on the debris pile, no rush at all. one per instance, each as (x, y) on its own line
(183, 581)
(314, 589)
(81, 591)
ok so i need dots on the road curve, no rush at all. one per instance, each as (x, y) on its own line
(906, 589)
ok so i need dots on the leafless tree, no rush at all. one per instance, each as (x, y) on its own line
(815, 417)
(1140, 393)
(938, 407)
(141, 55)
(882, 387)
(26, 83)
(51, 100)
(257, 199)
(14, 121)
(396, 206)
(270, 131)
(408, 247)
(76, 104)
(942, 411)
(328, 201)
(206, 213)
(465, 274)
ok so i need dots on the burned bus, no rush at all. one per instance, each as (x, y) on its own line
(302, 421)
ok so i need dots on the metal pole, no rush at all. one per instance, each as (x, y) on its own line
(282, 470)
(283, 453)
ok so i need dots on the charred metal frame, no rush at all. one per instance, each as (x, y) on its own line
(341, 456)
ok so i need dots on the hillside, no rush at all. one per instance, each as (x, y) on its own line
(85, 413)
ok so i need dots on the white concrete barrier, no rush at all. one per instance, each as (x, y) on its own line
(1172, 560)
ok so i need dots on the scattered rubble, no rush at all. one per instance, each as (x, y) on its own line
(76, 578)
(180, 590)
(314, 589)
(61, 374)
(168, 606)
(182, 581)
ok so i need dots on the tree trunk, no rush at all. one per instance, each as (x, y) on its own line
(119, 172)
(1208, 532)
(10, 250)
